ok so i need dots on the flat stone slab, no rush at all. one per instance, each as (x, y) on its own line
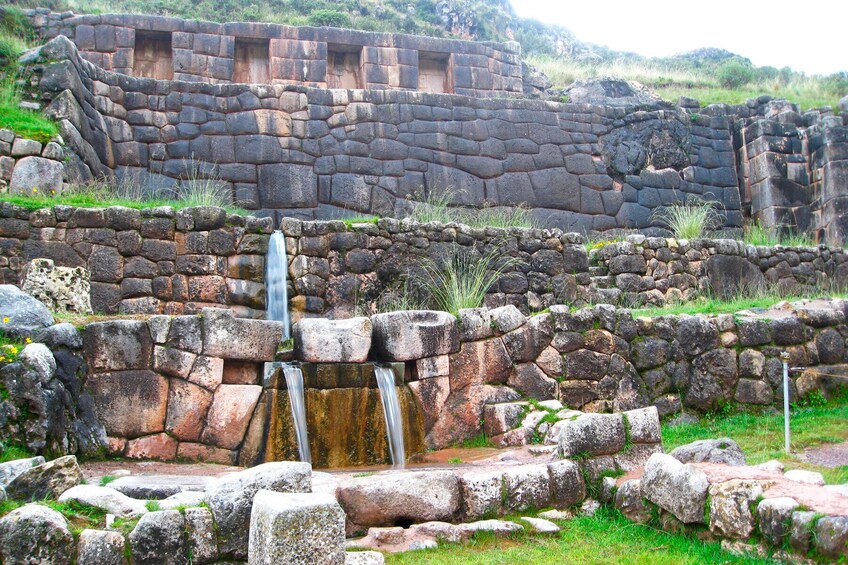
(158, 487)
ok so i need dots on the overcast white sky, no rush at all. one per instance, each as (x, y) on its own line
(807, 36)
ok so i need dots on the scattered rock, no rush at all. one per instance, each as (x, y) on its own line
(831, 536)
(589, 507)
(159, 538)
(296, 528)
(628, 499)
(558, 515)
(364, 558)
(680, 489)
(11, 469)
(231, 497)
(497, 527)
(730, 508)
(775, 516)
(100, 547)
(723, 450)
(773, 466)
(33, 175)
(105, 498)
(541, 525)
(202, 536)
(35, 534)
(48, 480)
(807, 477)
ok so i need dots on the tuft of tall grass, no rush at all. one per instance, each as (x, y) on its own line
(756, 233)
(437, 207)
(691, 220)
(463, 279)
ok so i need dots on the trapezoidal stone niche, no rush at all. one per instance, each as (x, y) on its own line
(344, 417)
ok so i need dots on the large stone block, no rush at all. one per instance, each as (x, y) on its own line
(35, 176)
(231, 499)
(118, 345)
(592, 435)
(61, 288)
(479, 362)
(680, 489)
(145, 391)
(318, 340)
(482, 494)
(48, 480)
(26, 314)
(382, 500)
(229, 337)
(529, 379)
(308, 529)
(287, 186)
(567, 484)
(35, 534)
(414, 334)
(229, 415)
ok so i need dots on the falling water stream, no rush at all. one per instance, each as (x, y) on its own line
(294, 385)
(276, 269)
(391, 411)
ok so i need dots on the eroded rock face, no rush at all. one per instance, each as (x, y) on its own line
(100, 547)
(296, 528)
(775, 519)
(680, 489)
(35, 534)
(60, 288)
(415, 496)
(26, 314)
(318, 340)
(610, 91)
(231, 498)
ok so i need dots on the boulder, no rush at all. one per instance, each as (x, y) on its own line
(35, 534)
(296, 528)
(229, 337)
(628, 499)
(775, 519)
(59, 288)
(567, 484)
(831, 537)
(48, 480)
(159, 538)
(675, 487)
(730, 508)
(526, 486)
(592, 435)
(801, 531)
(807, 477)
(105, 498)
(11, 469)
(723, 450)
(100, 547)
(414, 334)
(382, 500)
(26, 314)
(230, 498)
(607, 91)
(319, 340)
(202, 536)
(33, 176)
(506, 318)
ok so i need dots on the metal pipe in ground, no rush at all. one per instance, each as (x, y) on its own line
(785, 357)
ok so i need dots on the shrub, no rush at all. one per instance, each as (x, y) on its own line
(328, 18)
(463, 278)
(689, 221)
(734, 74)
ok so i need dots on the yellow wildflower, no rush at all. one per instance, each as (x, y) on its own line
(6, 320)
(14, 350)
(28, 340)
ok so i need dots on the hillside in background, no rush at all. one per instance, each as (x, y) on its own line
(709, 75)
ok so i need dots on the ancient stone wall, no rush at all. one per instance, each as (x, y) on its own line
(145, 261)
(40, 170)
(219, 53)
(201, 378)
(314, 153)
(164, 261)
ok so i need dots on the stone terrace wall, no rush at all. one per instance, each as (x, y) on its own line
(164, 261)
(149, 261)
(200, 378)
(205, 52)
(309, 152)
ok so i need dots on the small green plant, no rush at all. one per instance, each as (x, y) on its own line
(364, 474)
(692, 220)
(106, 479)
(734, 74)
(203, 187)
(152, 506)
(455, 460)
(757, 234)
(480, 440)
(464, 278)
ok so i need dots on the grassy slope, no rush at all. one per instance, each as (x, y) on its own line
(606, 537)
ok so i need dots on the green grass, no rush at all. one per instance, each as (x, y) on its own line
(712, 305)
(441, 207)
(760, 434)
(692, 220)
(760, 235)
(606, 537)
(480, 440)
(11, 451)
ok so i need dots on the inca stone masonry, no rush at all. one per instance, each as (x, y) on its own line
(319, 123)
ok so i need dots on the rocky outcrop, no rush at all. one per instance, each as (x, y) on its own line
(35, 533)
(26, 315)
(46, 481)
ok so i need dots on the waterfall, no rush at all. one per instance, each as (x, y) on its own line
(391, 411)
(276, 269)
(294, 385)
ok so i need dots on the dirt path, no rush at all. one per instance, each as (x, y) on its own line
(830, 455)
